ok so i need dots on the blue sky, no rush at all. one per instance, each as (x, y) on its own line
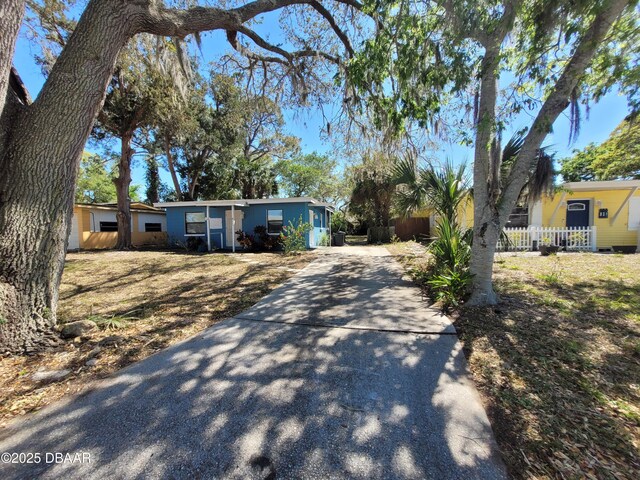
(603, 118)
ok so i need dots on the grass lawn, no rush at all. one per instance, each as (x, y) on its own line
(143, 301)
(558, 362)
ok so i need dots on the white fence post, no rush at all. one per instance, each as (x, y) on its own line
(571, 238)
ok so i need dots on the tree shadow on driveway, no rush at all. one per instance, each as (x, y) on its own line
(261, 399)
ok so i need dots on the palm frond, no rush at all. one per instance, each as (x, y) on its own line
(410, 193)
(509, 154)
(405, 171)
(446, 188)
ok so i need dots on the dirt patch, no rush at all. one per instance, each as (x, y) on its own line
(142, 302)
(558, 362)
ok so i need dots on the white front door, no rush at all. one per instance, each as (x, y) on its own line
(312, 240)
(231, 228)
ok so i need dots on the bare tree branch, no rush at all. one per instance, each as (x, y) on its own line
(262, 43)
(172, 22)
(329, 18)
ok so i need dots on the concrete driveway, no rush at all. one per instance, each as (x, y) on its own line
(343, 372)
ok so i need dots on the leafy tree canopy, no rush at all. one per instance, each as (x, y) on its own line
(374, 187)
(616, 158)
(95, 181)
(426, 57)
(310, 175)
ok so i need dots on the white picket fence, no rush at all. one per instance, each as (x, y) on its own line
(569, 238)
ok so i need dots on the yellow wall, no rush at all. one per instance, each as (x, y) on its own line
(148, 238)
(465, 213)
(609, 232)
(102, 240)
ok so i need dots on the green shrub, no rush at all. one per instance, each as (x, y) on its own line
(324, 240)
(264, 241)
(260, 241)
(293, 236)
(451, 250)
(245, 239)
(196, 244)
(113, 322)
(450, 287)
(339, 222)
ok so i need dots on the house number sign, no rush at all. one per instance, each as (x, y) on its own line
(603, 213)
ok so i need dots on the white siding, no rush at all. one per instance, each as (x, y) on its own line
(634, 213)
(151, 218)
(74, 236)
(97, 216)
(535, 216)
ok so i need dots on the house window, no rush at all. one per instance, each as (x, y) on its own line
(519, 217)
(573, 207)
(152, 227)
(274, 221)
(108, 226)
(195, 223)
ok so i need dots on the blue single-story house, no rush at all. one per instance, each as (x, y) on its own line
(216, 221)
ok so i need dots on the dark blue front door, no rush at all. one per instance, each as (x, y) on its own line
(578, 213)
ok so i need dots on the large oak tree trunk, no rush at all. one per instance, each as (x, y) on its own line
(123, 182)
(40, 149)
(38, 168)
(11, 13)
(172, 168)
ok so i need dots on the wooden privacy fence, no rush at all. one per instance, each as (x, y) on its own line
(568, 238)
(408, 228)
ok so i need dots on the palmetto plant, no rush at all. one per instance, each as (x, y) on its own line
(443, 189)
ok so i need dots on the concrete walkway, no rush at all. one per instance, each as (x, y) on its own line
(343, 372)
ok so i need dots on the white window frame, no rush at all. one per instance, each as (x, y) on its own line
(203, 234)
(281, 214)
(569, 209)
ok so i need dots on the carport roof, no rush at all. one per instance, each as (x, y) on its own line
(603, 185)
(244, 202)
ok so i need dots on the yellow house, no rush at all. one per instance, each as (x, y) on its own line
(595, 216)
(612, 207)
(94, 226)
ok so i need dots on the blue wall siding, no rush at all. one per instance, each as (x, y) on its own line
(176, 224)
(254, 215)
(257, 215)
(219, 235)
(319, 224)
